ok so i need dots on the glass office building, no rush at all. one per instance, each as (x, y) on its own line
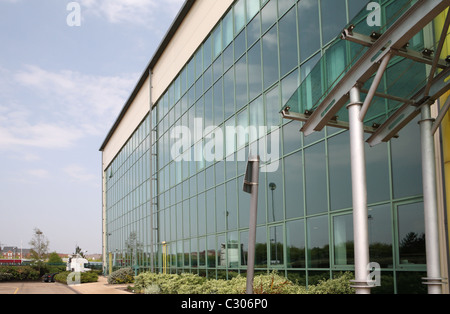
(176, 199)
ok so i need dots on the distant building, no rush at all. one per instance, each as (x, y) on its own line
(14, 252)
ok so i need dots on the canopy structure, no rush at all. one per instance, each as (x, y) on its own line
(394, 66)
(377, 80)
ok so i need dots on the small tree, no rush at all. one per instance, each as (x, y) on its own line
(79, 251)
(39, 247)
(54, 258)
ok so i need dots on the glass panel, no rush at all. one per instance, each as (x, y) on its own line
(228, 57)
(239, 16)
(295, 244)
(252, 8)
(292, 138)
(308, 18)
(318, 244)
(218, 103)
(269, 15)
(288, 86)
(244, 206)
(272, 101)
(228, 29)
(340, 171)
(411, 234)
(241, 83)
(231, 214)
(284, 5)
(276, 246)
(254, 66)
(254, 30)
(288, 43)
(211, 249)
(228, 81)
(334, 18)
(316, 179)
(256, 117)
(244, 248)
(275, 195)
(210, 211)
(343, 240)
(194, 217)
(233, 249)
(406, 162)
(377, 167)
(217, 40)
(239, 45)
(270, 57)
(207, 53)
(221, 212)
(380, 235)
(293, 175)
(221, 251)
(201, 214)
(261, 247)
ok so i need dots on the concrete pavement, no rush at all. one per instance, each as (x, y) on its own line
(101, 287)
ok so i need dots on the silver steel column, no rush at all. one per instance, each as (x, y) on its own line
(152, 230)
(433, 280)
(359, 192)
(251, 186)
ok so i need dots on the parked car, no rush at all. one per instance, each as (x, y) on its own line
(49, 277)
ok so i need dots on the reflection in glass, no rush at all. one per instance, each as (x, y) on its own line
(340, 171)
(308, 27)
(270, 57)
(288, 44)
(411, 234)
(276, 246)
(316, 179)
(295, 244)
(318, 243)
(334, 18)
(343, 240)
(380, 234)
(275, 195)
(406, 162)
(293, 176)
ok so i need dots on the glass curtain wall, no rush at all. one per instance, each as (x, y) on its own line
(241, 76)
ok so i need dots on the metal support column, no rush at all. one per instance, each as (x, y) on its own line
(251, 182)
(359, 192)
(433, 280)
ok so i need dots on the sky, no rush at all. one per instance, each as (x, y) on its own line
(66, 70)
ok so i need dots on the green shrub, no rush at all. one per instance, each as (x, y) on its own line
(151, 283)
(86, 277)
(5, 277)
(19, 273)
(121, 276)
(339, 285)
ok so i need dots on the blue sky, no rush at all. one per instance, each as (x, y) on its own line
(61, 89)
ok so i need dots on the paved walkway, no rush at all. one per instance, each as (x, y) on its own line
(101, 287)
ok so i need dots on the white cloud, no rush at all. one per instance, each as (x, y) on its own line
(139, 12)
(66, 106)
(79, 174)
(39, 173)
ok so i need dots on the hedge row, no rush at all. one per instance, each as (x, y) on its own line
(90, 276)
(19, 273)
(150, 283)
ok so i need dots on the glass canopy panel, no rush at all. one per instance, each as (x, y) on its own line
(403, 80)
